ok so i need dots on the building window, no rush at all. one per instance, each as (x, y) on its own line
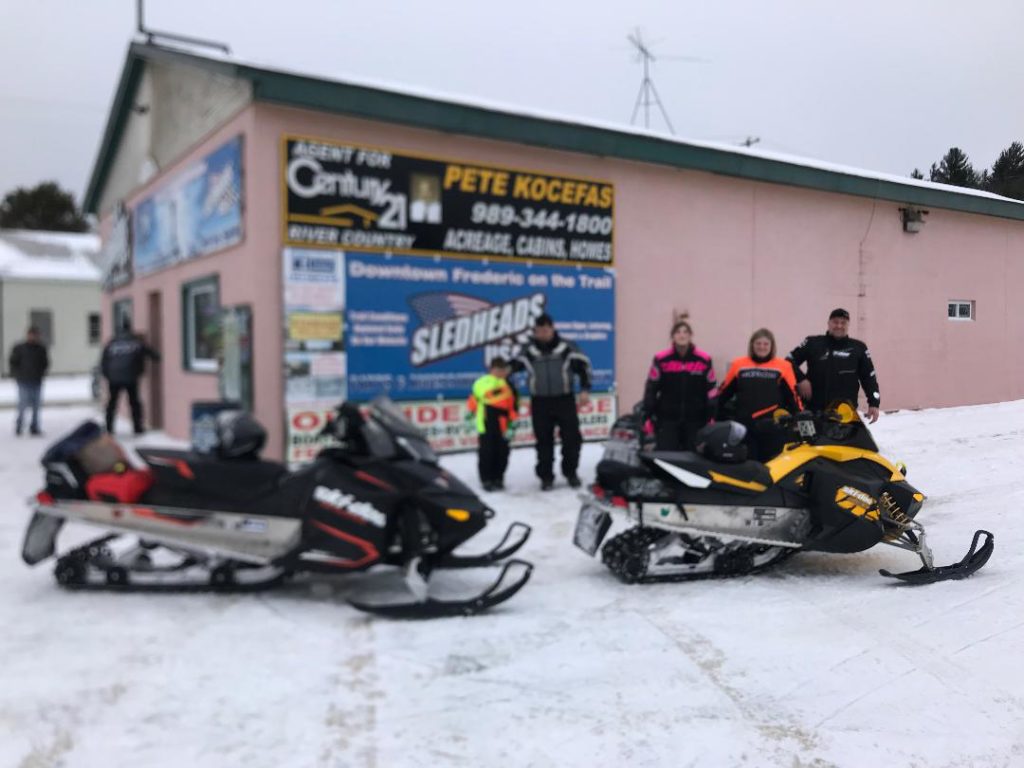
(122, 311)
(42, 321)
(200, 302)
(960, 309)
(94, 328)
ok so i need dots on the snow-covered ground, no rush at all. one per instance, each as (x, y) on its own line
(818, 662)
(56, 390)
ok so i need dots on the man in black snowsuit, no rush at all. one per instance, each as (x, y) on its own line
(837, 367)
(122, 364)
(29, 362)
(550, 363)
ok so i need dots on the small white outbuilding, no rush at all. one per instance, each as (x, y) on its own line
(50, 280)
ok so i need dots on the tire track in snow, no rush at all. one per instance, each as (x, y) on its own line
(769, 721)
(352, 723)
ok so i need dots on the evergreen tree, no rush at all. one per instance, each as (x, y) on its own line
(916, 174)
(1007, 177)
(45, 206)
(956, 169)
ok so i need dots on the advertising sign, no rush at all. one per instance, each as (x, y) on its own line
(116, 254)
(450, 426)
(195, 212)
(420, 329)
(304, 424)
(314, 356)
(354, 197)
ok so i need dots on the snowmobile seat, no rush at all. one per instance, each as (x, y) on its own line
(200, 481)
(751, 476)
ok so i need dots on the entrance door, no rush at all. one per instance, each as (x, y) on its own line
(156, 373)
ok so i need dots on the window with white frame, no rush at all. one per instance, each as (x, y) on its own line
(960, 309)
(201, 325)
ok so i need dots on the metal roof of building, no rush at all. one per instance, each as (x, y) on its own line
(427, 110)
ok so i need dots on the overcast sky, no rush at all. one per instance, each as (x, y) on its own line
(879, 84)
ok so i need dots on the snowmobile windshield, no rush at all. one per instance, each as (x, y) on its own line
(840, 424)
(387, 415)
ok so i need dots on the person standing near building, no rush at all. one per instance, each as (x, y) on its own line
(680, 393)
(754, 388)
(29, 362)
(495, 404)
(122, 364)
(837, 367)
(551, 364)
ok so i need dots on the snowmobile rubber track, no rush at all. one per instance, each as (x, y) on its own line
(510, 543)
(973, 561)
(72, 570)
(433, 608)
(627, 555)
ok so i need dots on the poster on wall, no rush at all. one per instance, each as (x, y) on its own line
(420, 329)
(346, 196)
(450, 426)
(304, 423)
(314, 355)
(116, 253)
(197, 211)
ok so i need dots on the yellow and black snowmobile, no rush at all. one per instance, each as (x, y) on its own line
(712, 513)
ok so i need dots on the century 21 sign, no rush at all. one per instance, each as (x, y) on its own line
(362, 198)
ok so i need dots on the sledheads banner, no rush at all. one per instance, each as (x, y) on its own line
(423, 329)
(354, 197)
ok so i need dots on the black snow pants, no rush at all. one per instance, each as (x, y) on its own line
(492, 457)
(676, 434)
(548, 413)
(132, 389)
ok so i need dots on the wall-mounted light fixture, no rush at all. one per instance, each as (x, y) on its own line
(913, 218)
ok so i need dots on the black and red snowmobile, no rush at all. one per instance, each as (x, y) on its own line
(713, 513)
(182, 521)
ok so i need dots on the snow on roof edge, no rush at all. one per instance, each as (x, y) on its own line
(575, 120)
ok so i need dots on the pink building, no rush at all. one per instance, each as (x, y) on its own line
(203, 173)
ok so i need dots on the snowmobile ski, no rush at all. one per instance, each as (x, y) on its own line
(433, 608)
(514, 538)
(973, 561)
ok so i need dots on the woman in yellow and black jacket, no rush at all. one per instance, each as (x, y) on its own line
(754, 388)
(495, 403)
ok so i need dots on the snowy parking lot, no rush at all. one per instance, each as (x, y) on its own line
(817, 662)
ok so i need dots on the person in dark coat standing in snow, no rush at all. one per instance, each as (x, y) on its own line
(551, 363)
(29, 362)
(680, 393)
(837, 367)
(122, 365)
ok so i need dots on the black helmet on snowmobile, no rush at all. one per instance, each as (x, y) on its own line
(239, 435)
(723, 441)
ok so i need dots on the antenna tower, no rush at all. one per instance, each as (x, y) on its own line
(648, 94)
